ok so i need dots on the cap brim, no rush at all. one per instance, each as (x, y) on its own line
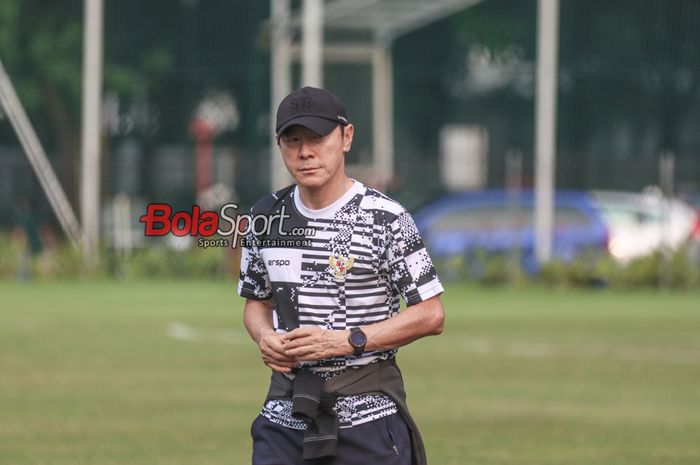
(320, 126)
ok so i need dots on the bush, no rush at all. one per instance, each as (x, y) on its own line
(684, 272)
(591, 270)
(162, 262)
(66, 262)
(676, 271)
(480, 267)
(14, 257)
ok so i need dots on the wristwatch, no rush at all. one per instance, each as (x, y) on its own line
(357, 340)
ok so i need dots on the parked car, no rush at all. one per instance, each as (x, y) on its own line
(641, 223)
(493, 222)
(694, 249)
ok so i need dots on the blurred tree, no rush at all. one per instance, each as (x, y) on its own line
(41, 45)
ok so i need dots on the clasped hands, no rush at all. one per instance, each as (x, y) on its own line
(282, 352)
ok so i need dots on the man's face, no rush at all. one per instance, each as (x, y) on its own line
(315, 160)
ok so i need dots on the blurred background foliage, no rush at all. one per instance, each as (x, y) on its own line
(592, 271)
(628, 92)
(628, 89)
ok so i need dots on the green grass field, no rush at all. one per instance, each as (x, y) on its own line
(155, 373)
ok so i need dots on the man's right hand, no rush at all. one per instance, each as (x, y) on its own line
(273, 353)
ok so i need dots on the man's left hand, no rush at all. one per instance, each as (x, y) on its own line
(314, 343)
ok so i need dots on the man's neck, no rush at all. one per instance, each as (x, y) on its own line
(321, 197)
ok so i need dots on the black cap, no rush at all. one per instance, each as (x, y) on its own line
(316, 109)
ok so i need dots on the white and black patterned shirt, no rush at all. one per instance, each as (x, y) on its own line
(347, 265)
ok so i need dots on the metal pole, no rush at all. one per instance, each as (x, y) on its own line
(514, 175)
(91, 128)
(383, 112)
(281, 82)
(312, 43)
(666, 173)
(546, 123)
(38, 159)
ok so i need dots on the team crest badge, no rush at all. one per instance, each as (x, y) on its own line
(340, 265)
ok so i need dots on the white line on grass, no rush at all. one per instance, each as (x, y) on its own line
(184, 332)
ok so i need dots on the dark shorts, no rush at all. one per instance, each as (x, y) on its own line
(384, 441)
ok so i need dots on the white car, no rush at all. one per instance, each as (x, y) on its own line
(641, 223)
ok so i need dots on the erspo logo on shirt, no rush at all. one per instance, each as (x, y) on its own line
(160, 220)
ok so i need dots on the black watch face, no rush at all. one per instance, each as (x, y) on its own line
(358, 339)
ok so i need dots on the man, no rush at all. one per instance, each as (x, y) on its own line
(323, 304)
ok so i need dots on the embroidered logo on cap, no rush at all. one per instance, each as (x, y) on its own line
(301, 105)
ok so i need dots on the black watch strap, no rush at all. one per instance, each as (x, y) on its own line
(357, 340)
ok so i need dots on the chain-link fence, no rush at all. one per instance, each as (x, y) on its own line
(628, 93)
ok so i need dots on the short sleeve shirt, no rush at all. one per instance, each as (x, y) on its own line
(343, 266)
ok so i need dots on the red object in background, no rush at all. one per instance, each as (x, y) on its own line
(204, 154)
(695, 233)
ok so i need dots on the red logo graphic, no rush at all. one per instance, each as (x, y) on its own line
(159, 220)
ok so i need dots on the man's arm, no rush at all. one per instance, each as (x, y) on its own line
(426, 318)
(257, 318)
(422, 319)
